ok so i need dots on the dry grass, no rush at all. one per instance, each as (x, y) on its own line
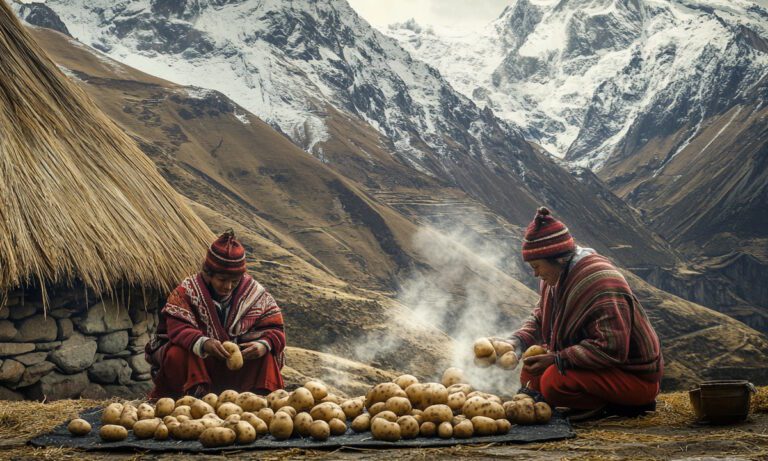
(78, 198)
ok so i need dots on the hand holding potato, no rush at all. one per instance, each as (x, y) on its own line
(537, 364)
(254, 350)
(214, 348)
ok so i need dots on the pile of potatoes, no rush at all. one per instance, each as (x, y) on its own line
(402, 409)
(489, 351)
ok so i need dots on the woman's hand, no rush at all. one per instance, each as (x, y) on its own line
(537, 364)
(214, 348)
(253, 350)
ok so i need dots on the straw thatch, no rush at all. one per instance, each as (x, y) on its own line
(78, 199)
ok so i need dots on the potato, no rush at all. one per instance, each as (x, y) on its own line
(235, 360)
(462, 387)
(185, 410)
(290, 410)
(377, 408)
(518, 397)
(475, 406)
(542, 412)
(275, 396)
(113, 433)
(353, 408)
(484, 425)
(405, 380)
(494, 411)
(161, 432)
(445, 430)
(338, 427)
(168, 419)
(301, 424)
(189, 430)
(128, 417)
(211, 399)
(362, 423)
(79, 427)
(231, 421)
(483, 348)
(281, 426)
(228, 396)
(164, 407)
(502, 426)
(464, 429)
(256, 422)
(327, 411)
(452, 376)
(534, 350)
(187, 400)
(245, 433)
(387, 415)
(146, 411)
(485, 362)
(249, 401)
(526, 413)
(398, 405)
(486, 396)
(111, 414)
(200, 409)
(502, 347)
(333, 398)
(419, 418)
(438, 414)
(266, 415)
(211, 422)
(228, 408)
(217, 437)
(301, 399)
(385, 430)
(145, 429)
(319, 390)
(457, 419)
(409, 427)
(425, 395)
(456, 401)
(383, 392)
(319, 430)
(182, 418)
(507, 361)
(428, 429)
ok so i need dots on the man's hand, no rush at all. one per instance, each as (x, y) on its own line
(253, 350)
(537, 364)
(214, 348)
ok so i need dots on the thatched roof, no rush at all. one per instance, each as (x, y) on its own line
(78, 198)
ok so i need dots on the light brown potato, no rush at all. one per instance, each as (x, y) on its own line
(249, 401)
(266, 415)
(301, 424)
(211, 422)
(457, 419)
(111, 414)
(301, 400)
(461, 387)
(227, 409)
(438, 414)
(319, 390)
(113, 433)
(256, 422)
(200, 409)
(456, 401)
(211, 399)
(164, 407)
(290, 410)
(534, 350)
(275, 396)
(231, 421)
(161, 432)
(405, 380)
(128, 417)
(425, 395)
(383, 392)
(173, 426)
(185, 410)
(419, 418)
(494, 411)
(377, 408)
(486, 396)
(146, 411)
(189, 430)
(327, 411)
(228, 396)
(475, 406)
(319, 430)
(502, 347)
(507, 361)
(464, 429)
(353, 408)
(542, 412)
(409, 427)
(452, 376)
(245, 433)
(502, 426)
(526, 414)
(387, 415)
(445, 430)
(215, 437)
(484, 426)
(333, 398)
(518, 397)
(362, 423)
(145, 429)
(483, 348)
(168, 419)
(338, 427)
(79, 427)
(485, 362)
(281, 426)
(281, 403)
(428, 429)
(398, 405)
(381, 429)
(235, 360)
(187, 400)
(182, 418)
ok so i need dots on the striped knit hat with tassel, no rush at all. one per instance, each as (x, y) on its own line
(225, 255)
(546, 237)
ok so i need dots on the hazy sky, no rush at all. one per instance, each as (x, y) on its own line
(446, 13)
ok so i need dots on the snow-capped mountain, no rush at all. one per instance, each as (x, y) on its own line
(591, 78)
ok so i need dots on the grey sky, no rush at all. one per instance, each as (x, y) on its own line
(443, 13)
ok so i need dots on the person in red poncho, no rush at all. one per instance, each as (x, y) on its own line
(603, 353)
(221, 303)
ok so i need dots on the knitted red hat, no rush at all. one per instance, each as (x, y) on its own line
(546, 237)
(225, 255)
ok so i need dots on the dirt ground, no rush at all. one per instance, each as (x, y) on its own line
(668, 434)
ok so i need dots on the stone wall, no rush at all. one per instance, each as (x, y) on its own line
(83, 346)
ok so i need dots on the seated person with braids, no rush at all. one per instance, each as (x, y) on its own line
(221, 303)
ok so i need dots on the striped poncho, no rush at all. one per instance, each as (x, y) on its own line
(592, 320)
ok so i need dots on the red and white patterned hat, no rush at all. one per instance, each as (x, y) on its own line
(225, 255)
(546, 237)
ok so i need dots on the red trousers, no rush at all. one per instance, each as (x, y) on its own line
(587, 389)
(181, 372)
